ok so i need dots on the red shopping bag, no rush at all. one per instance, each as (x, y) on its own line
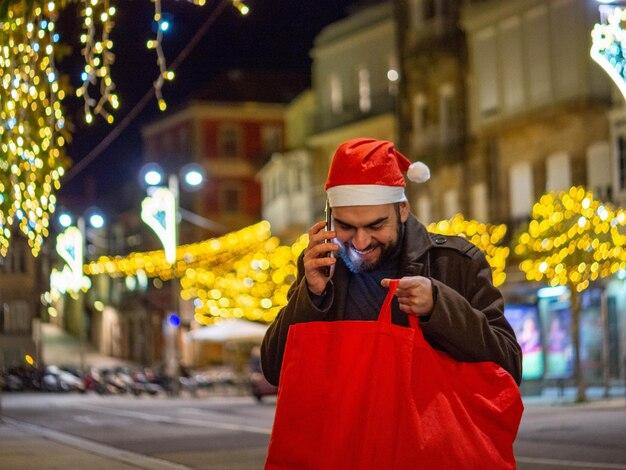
(374, 395)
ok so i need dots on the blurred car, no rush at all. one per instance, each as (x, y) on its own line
(56, 379)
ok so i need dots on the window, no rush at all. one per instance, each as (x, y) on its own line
(420, 112)
(336, 95)
(521, 191)
(599, 170)
(447, 112)
(479, 210)
(536, 40)
(231, 199)
(272, 139)
(229, 141)
(621, 163)
(558, 172)
(365, 97)
(298, 176)
(16, 317)
(451, 203)
(415, 15)
(510, 38)
(566, 43)
(428, 9)
(486, 60)
(424, 212)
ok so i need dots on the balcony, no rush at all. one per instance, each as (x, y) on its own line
(434, 140)
(326, 120)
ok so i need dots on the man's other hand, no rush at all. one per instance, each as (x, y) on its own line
(415, 295)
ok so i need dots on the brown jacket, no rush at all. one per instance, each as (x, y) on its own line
(467, 321)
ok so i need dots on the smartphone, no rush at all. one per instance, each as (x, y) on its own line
(327, 270)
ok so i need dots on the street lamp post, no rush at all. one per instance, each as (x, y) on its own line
(70, 245)
(160, 210)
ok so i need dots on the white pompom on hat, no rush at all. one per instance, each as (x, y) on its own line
(367, 172)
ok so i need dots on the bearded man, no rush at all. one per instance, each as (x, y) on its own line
(344, 272)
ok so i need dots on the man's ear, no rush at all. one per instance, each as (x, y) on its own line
(405, 209)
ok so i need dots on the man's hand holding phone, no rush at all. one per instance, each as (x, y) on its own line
(319, 257)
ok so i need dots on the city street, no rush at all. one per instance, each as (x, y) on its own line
(49, 431)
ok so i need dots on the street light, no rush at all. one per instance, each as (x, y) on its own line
(65, 219)
(70, 245)
(160, 211)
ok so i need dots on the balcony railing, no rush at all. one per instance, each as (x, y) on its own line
(325, 119)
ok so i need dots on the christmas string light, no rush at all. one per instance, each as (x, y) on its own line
(254, 287)
(32, 124)
(484, 236)
(162, 26)
(210, 253)
(97, 21)
(573, 239)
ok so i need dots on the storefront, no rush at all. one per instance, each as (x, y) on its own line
(542, 320)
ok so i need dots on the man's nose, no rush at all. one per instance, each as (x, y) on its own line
(361, 240)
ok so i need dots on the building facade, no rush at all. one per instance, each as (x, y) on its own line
(355, 80)
(288, 195)
(431, 110)
(231, 141)
(21, 286)
(540, 119)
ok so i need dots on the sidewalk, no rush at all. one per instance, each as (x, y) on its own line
(25, 446)
(553, 396)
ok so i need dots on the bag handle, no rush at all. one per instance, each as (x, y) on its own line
(385, 311)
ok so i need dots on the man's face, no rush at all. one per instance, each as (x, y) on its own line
(367, 233)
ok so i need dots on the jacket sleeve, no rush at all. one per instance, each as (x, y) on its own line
(473, 327)
(300, 308)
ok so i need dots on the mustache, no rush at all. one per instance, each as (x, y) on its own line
(371, 246)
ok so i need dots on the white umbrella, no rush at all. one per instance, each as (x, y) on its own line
(233, 330)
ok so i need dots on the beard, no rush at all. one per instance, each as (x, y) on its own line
(355, 260)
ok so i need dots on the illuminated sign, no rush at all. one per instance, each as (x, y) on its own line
(158, 211)
(69, 246)
(608, 46)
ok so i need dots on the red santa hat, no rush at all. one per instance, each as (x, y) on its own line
(368, 172)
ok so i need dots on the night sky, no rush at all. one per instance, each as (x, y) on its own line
(276, 35)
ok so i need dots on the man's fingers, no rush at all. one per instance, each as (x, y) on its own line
(316, 227)
(320, 237)
(316, 263)
(322, 248)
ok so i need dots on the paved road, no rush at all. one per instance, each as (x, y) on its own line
(233, 432)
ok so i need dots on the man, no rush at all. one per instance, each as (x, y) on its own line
(444, 280)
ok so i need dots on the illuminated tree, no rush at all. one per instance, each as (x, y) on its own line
(573, 240)
(33, 127)
(484, 236)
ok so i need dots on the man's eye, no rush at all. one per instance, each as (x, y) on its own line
(377, 226)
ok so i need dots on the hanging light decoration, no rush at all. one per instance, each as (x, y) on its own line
(97, 85)
(162, 26)
(209, 254)
(254, 287)
(32, 124)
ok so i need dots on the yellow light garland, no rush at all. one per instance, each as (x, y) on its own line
(484, 236)
(97, 21)
(156, 44)
(254, 287)
(32, 124)
(573, 239)
(212, 253)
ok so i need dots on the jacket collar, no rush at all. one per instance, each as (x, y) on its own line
(415, 244)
